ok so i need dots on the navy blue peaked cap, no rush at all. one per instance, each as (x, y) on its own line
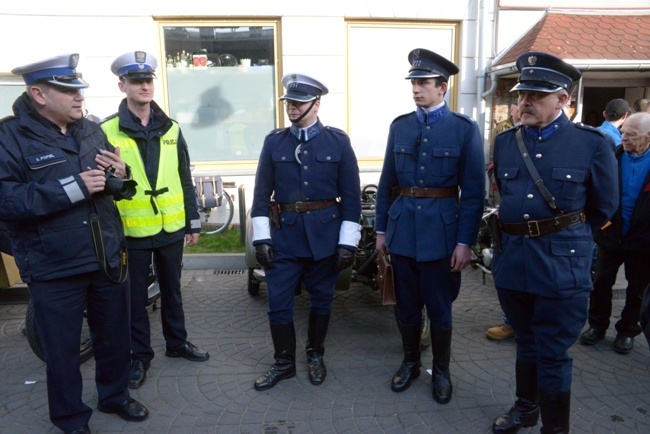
(427, 64)
(543, 72)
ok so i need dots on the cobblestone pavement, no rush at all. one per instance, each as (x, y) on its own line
(611, 392)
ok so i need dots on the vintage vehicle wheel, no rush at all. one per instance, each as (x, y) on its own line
(85, 347)
(343, 280)
(253, 283)
(425, 334)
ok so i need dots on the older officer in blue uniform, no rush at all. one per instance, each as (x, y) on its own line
(312, 173)
(543, 273)
(67, 238)
(431, 153)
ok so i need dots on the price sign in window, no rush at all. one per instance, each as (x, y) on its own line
(221, 88)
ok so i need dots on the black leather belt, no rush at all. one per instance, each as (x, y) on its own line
(307, 206)
(536, 228)
(428, 192)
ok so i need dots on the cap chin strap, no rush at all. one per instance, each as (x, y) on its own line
(306, 111)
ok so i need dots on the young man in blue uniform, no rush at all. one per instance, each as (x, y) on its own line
(431, 154)
(311, 172)
(67, 238)
(543, 273)
(162, 217)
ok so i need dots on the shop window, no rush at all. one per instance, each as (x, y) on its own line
(221, 88)
(10, 88)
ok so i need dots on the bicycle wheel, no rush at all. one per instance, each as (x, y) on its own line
(218, 219)
(85, 345)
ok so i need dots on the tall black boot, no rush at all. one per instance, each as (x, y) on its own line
(316, 332)
(525, 412)
(284, 344)
(411, 364)
(556, 411)
(441, 348)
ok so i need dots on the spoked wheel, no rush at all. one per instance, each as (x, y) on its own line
(216, 220)
(85, 346)
(425, 334)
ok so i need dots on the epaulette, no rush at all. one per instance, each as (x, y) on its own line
(401, 116)
(277, 131)
(584, 126)
(336, 130)
(6, 118)
(108, 118)
(463, 116)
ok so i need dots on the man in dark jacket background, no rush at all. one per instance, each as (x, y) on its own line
(55, 199)
(625, 240)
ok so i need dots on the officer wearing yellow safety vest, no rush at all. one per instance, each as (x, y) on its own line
(162, 215)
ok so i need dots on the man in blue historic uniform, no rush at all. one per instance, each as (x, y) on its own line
(311, 173)
(431, 154)
(543, 272)
(59, 177)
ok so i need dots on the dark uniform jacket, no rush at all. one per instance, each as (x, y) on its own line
(577, 164)
(45, 203)
(637, 239)
(148, 140)
(328, 170)
(447, 152)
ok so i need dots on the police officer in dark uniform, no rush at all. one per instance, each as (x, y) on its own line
(67, 238)
(542, 274)
(162, 216)
(312, 173)
(431, 153)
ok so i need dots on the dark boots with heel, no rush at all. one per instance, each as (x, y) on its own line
(284, 343)
(316, 332)
(441, 348)
(410, 368)
(525, 412)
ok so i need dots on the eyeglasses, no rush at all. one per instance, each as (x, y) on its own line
(292, 103)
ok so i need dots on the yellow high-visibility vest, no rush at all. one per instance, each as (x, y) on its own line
(150, 211)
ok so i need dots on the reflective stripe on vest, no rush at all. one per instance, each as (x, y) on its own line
(150, 211)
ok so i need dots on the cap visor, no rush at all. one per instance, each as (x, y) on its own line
(77, 83)
(297, 97)
(143, 74)
(422, 74)
(536, 86)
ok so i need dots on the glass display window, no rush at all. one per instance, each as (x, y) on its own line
(221, 87)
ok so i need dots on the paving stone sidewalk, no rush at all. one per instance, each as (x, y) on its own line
(611, 392)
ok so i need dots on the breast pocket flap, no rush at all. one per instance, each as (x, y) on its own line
(571, 248)
(568, 175)
(507, 172)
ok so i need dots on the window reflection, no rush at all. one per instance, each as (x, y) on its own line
(221, 86)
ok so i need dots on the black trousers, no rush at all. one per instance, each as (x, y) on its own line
(637, 274)
(168, 261)
(58, 309)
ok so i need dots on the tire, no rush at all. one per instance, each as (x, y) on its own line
(425, 334)
(216, 220)
(85, 346)
(253, 283)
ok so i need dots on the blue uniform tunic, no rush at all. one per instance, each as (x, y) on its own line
(544, 282)
(324, 167)
(421, 233)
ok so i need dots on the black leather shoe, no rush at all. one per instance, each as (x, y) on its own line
(402, 378)
(138, 374)
(591, 336)
(280, 370)
(522, 415)
(442, 387)
(129, 409)
(81, 430)
(623, 344)
(316, 368)
(188, 351)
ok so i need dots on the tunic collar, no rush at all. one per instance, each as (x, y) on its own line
(306, 134)
(543, 134)
(434, 115)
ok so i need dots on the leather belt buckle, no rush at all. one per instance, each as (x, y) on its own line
(533, 229)
(412, 191)
(300, 206)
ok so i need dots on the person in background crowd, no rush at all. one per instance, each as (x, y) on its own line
(641, 105)
(625, 240)
(311, 172)
(59, 209)
(543, 271)
(431, 153)
(616, 111)
(163, 215)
